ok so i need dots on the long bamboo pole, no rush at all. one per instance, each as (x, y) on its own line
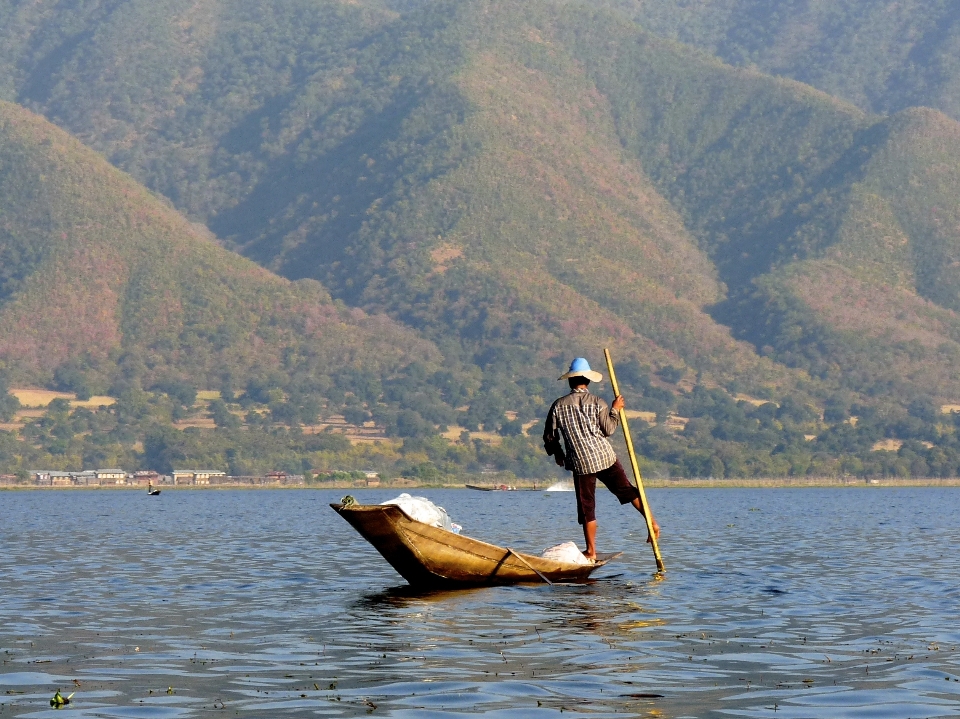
(648, 516)
(529, 566)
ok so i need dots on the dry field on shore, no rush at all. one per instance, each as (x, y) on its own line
(35, 398)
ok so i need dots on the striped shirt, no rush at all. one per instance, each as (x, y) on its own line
(584, 421)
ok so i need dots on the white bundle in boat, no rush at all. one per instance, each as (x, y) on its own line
(568, 552)
(423, 510)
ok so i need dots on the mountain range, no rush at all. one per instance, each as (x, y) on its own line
(101, 277)
(881, 56)
(470, 193)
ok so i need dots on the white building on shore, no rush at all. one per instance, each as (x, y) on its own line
(196, 476)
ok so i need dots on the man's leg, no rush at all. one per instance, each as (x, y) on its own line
(585, 486)
(615, 478)
(590, 537)
(653, 521)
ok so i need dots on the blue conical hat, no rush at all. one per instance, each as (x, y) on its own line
(581, 368)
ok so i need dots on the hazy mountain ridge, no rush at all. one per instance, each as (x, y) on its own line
(515, 180)
(884, 57)
(116, 273)
(768, 174)
(883, 294)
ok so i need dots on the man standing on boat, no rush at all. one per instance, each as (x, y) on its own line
(584, 421)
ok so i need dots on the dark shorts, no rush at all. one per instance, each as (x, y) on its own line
(586, 487)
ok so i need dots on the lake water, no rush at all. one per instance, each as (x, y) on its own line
(822, 603)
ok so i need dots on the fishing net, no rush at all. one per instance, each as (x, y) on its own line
(568, 552)
(423, 510)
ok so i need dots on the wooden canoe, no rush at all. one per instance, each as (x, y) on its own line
(428, 556)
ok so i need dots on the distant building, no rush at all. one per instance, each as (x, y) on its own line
(195, 476)
(60, 479)
(111, 476)
(89, 478)
(146, 476)
(245, 479)
(281, 477)
(46, 478)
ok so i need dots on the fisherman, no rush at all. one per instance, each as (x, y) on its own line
(584, 421)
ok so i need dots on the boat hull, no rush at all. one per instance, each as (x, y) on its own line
(428, 556)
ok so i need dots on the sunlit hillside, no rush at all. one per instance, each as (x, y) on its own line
(511, 183)
(883, 56)
(104, 283)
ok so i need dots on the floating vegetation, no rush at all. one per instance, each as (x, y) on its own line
(59, 700)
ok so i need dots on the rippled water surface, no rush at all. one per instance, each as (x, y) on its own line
(789, 603)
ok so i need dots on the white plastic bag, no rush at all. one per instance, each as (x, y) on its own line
(423, 510)
(568, 553)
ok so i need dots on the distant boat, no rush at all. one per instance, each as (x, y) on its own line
(428, 556)
(494, 488)
(564, 485)
(151, 491)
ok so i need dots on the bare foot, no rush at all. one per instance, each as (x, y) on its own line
(591, 557)
(656, 531)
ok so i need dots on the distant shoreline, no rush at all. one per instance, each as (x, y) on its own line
(784, 483)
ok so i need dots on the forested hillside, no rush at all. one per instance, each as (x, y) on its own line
(106, 290)
(513, 182)
(804, 204)
(95, 267)
(364, 158)
(882, 56)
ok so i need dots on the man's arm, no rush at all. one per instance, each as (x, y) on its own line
(610, 418)
(551, 438)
